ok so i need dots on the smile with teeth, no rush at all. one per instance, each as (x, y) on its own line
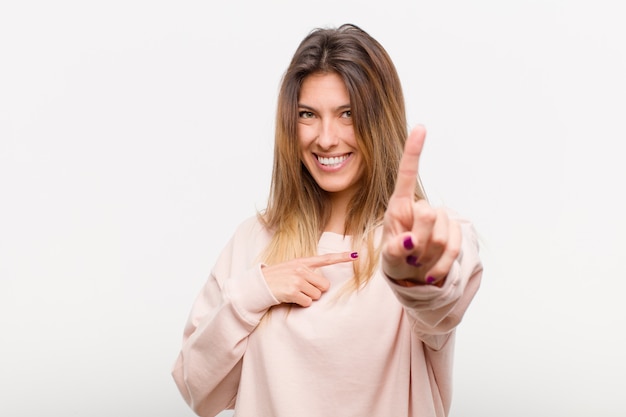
(332, 161)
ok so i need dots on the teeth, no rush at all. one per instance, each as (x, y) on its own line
(332, 161)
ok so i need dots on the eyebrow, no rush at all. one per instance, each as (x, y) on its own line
(342, 107)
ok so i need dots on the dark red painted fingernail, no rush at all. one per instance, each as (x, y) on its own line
(430, 280)
(408, 243)
(354, 255)
(412, 260)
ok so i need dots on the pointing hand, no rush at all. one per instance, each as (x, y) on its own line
(298, 281)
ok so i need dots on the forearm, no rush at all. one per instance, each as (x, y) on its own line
(438, 309)
(208, 367)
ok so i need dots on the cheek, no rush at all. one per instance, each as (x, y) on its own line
(304, 136)
(347, 132)
(351, 140)
(303, 147)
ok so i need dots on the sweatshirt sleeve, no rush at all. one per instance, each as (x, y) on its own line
(228, 308)
(436, 311)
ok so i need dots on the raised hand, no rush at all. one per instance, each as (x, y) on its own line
(298, 282)
(420, 243)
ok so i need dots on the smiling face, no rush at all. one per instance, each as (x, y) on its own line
(326, 135)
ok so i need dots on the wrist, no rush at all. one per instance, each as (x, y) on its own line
(414, 282)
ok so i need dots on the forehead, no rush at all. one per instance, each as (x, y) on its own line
(324, 87)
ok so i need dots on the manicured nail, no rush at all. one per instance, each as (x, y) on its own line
(354, 255)
(412, 260)
(408, 243)
(430, 280)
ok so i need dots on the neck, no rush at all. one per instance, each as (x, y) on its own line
(338, 211)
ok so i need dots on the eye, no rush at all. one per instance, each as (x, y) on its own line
(305, 114)
(347, 114)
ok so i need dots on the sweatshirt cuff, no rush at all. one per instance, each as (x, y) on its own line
(250, 295)
(420, 297)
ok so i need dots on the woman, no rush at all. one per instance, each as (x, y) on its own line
(342, 297)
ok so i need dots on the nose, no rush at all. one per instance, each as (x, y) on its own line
(328, 135)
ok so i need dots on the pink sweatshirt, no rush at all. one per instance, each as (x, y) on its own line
(384, 351)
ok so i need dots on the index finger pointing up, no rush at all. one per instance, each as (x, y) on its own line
(409, 164)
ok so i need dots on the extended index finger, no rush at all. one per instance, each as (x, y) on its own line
(409, 164)
(330, 259)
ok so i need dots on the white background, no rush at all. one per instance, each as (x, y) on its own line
(135, 135)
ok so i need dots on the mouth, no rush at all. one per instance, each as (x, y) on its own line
(332, 161)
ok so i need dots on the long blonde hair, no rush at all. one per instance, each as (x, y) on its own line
(297, 207)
